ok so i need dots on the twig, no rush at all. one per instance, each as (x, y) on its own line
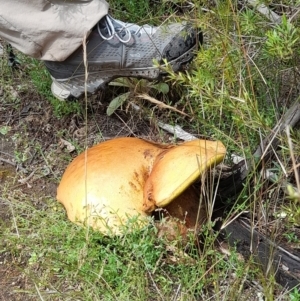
(270, 143)
(264, 10)
(13, 214)
(154, 284)
(172, 129)
(13, 164)
(25, 180)
(8, 161)
(38, 292)
(293, 158)
(160, 104)
(177, 131)
(6, 154)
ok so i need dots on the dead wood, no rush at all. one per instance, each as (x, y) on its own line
(271, 256)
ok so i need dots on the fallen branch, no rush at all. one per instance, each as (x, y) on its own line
(273, 258)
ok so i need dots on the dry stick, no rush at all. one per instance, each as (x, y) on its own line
(286, 265)
(86, 75)
(6, 154)
(25, 180)
(273, 244)
(8, 162)
(13, 214)
(172, 129)
(13, 164)
(293, 158)
(160, 104)
(177, 131)
(264, 10)
(270, 143)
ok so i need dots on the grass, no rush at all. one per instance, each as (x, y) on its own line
(69, 262)
(240, 82)
(42, 81)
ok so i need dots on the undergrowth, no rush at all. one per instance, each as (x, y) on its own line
(243, 78)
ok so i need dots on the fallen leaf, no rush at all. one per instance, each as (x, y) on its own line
(70, 147)
(80, 132)
(116, 103)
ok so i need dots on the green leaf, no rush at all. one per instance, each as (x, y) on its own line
(4, 129)
(116, 103)
(120, 82)
(161, 87)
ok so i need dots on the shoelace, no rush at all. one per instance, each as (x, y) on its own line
(121, 27)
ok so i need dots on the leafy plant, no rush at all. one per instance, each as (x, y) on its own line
(135, 86)
(282, 41)
(4, 129)
(249, 21)
(294, 295)
(135, 11)
(291, 237)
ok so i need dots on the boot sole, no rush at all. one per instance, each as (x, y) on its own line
(72, 87)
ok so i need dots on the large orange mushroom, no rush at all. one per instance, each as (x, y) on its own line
(127, 178)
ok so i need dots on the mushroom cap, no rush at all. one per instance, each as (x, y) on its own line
(103, 187)
(177, 168)
(126, 178)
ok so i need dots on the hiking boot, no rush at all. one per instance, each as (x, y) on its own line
(118, 49)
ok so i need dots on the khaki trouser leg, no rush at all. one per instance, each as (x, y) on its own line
(49, 30)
